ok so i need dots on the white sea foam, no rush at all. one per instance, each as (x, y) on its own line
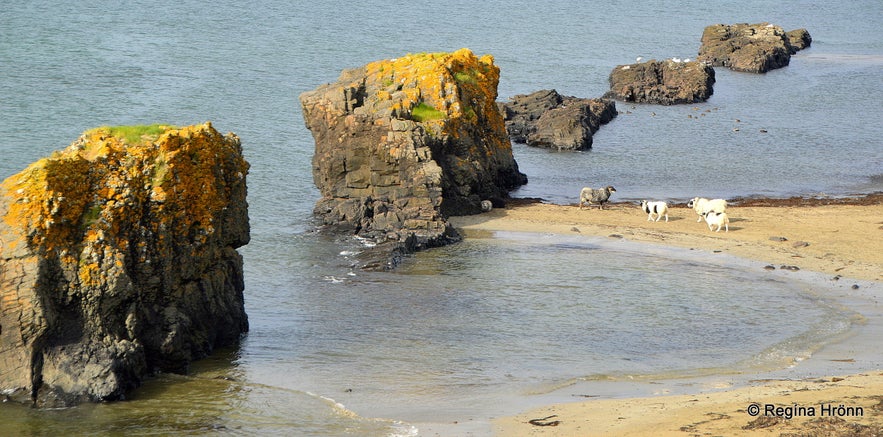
(365, 241)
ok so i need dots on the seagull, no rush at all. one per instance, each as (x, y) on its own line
(639, 59)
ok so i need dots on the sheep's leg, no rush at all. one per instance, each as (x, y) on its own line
(666, 217)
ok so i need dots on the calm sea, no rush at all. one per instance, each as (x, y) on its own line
(478, 329)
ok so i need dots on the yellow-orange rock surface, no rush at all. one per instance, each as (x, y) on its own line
(117, 259)
(402, 144)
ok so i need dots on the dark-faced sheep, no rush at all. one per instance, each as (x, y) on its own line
(592, 195)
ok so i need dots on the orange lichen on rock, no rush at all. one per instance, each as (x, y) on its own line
(403, 143)
(56, 200)
(109, 228)
(458, 84)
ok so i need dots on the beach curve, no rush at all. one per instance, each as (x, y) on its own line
(837, 240)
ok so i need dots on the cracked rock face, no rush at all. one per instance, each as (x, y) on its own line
(402, 144)
(118, 259)
(547, 119)
(668, 82)
(752, 48)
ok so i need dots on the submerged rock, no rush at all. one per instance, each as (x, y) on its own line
(118, 259)
(752, 48)
(547, 119)
(668, 82)
(402, 144)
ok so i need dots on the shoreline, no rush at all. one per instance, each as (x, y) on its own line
(831, 241)
(833, 236)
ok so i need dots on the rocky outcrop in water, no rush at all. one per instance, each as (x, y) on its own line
(547, 119)
(798, 39)
(402, 144)
(118, 259)
(752, 48)
(669, 82)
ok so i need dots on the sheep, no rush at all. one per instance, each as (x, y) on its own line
(592, 195)
(658, 208)
(702, 205)
(486, 205)
(717, 219)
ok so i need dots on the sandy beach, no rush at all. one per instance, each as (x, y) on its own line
(839, 238)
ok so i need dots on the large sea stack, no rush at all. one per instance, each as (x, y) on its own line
(752, 48)
(402, 144)
(118, 259)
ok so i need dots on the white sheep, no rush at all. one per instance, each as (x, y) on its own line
(702, 205)
(658, 208)
(717, 219)
(592, 195)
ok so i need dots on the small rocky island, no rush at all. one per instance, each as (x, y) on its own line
(668, 82)
(547, 119)
(118, 259)
(402, 144)
(752, 48)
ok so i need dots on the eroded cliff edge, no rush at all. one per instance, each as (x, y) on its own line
(402, 144)
(118, 259)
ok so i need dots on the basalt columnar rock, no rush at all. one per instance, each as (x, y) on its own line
(547, 119)
(668, 82)
(118, 259)
(402, 144)
(753, 48)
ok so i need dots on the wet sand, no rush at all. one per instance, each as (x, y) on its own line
(841, 240)
(836, 237)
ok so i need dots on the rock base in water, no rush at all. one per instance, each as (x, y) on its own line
(669, 82)
(118, 259)
(752, 48)
(547, 119)
(402, 144)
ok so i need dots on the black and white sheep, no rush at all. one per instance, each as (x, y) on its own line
(702, 206)
(658, 208)
(593, 195)
(717, 219)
